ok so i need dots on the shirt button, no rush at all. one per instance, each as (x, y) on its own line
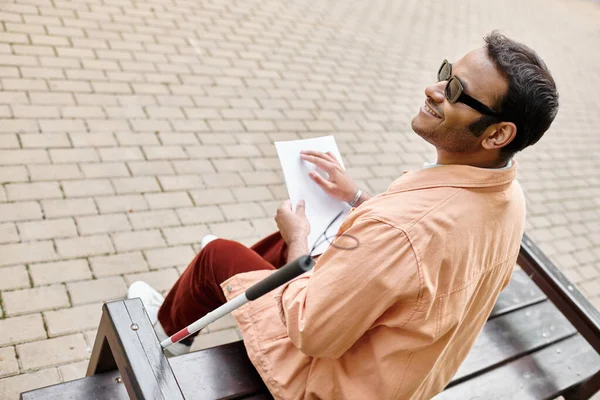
(228, 288)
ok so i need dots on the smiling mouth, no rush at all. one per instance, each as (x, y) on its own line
(431, 111)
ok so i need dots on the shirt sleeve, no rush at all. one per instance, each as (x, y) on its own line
(328, 311)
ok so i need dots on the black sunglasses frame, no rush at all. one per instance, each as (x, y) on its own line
(460, 94)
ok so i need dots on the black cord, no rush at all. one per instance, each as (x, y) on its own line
(323, 235)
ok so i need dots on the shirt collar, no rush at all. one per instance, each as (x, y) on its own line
(431, 165)
(455, 176)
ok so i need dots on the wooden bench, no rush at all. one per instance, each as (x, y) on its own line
(541, 341)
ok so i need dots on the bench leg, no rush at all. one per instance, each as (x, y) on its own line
(126, 340)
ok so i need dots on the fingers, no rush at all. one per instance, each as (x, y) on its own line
(321, 162)
(328, 156)
(332, 157)
(319, 180)
(300, 207)
(286, 205)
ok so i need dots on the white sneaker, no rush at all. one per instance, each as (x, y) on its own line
(206, 240)
(152, 300)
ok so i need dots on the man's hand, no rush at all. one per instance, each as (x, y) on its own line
(339, 185)
(293, 225)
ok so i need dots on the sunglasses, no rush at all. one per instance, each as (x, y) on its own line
(456, 92)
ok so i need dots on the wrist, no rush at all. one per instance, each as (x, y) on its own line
(298, 240)
(297, 248)
(356, 198)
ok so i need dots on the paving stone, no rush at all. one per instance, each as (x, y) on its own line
(72, 320)
(242, 211)
(22, 211)
(255, 193)
(26, 252)
(102, 139)
(137, 240)
(126, 203)
(150, 168)
(105, 170)
(118, 264)
(51, 352)
(67, 207)
(8, 362)
(102, 289)
(84, 246)
(142, 184)
(46, 140)
(73, 371)
(264, 226)
(88, 187)
(161, 280)
(199, 215)
(11, 388)
(168, 200)
(21, 329)
(60, 156)
(47, 229)
(15, 277)
(90, 337)
(180, 182)
(8, 233)
(121, 154)
(50, 172)
(192, 166)
(33, 191)
(153, 219)
(170, 256)
(17, 173)
(185, 235)
(26, 301)
(222, 179)
(60, 271)
(164, 152)
(212, 196)
(105, 223)
(232, 230)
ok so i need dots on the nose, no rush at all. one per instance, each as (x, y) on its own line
(436, 91)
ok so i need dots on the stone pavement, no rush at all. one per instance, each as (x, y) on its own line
(129, 129)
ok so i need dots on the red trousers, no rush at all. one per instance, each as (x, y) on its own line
(198, 292)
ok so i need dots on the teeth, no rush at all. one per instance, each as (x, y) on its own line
(430, 111)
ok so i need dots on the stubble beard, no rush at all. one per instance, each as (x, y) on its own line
(448, 140)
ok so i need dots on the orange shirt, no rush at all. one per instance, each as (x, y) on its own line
(395, 317)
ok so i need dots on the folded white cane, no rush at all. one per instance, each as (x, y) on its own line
(276, 279)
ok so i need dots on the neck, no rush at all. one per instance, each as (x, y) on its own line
(473, 160)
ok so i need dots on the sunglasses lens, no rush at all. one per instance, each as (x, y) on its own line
(444, 72)
(453, 90)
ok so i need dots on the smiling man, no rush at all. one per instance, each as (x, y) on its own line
(393, 317)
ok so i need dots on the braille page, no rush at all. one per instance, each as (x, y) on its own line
(320, 208)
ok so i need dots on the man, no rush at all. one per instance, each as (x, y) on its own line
(393, 317)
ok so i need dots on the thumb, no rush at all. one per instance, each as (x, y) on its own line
(300, 207)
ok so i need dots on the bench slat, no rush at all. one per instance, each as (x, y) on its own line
(513, 335)
(217, 373)
(520, 292)
(543, 375)
(102, 386)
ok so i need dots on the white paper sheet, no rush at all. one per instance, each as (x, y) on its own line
(320, 208)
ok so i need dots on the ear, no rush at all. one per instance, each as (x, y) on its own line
(499, 135)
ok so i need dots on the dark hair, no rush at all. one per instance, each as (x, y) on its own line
(531, 102)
